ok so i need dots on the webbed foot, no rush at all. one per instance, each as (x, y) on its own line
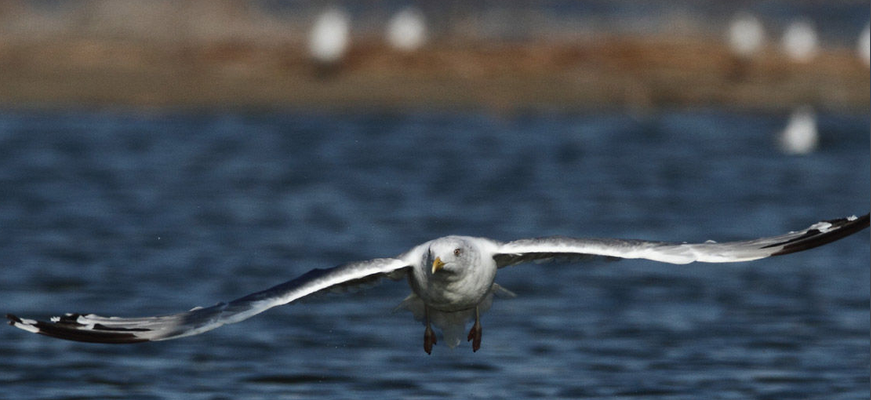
(429, 338)
(475, 333)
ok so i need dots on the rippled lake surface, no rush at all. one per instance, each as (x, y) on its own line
(130, 214)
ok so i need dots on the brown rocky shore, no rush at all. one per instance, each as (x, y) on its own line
(605, 73)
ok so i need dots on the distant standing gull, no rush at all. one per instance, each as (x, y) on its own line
(330, 36)
(800, 41)
(451, 279)
(863, 45)
(800, 135)
(746, 35)
(406, 31)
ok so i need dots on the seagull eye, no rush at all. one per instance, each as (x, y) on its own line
(457, 252)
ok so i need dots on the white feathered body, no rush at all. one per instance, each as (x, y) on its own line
(453, 298)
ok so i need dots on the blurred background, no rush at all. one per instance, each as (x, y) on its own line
(425, 54)
(159, 155)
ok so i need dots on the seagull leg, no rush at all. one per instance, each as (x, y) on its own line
(475, 332)
(429, 337)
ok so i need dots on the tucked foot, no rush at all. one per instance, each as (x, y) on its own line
(429, 339)
(475, 335)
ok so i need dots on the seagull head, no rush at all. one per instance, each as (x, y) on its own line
(449, 255)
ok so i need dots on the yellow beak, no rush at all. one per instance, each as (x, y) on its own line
(437, 265)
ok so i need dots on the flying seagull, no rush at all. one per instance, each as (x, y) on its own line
(451, 279)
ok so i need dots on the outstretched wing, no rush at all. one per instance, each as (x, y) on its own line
(94, 328)
(818, 234)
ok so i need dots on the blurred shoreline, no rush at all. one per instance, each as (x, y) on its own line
(638, 73)
(233, 54)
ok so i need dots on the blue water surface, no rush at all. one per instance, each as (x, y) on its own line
(133, 213)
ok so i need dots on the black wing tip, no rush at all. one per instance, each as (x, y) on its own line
(860, 222)
(839, 229)
(13, 319)
(66, 328)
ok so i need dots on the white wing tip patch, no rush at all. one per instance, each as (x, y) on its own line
(823, 227)
(79, 317)
(25, 324)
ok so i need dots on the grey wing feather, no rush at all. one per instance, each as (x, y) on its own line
(818, 234)
(94, 328)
